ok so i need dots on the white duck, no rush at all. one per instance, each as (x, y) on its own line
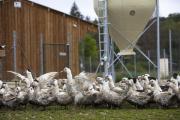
(29, 76)
(22, 96)
(138, 85)
(164, 99)
(9, 97)
(112, 86)
(83, 80)
(62, 97)
(45, 79)
(174, 86)
(69, 76)
(110, 97)
(176, 77)
(139, 99)
(122, 84)
(41, 97)
(146, 79)
(80, 88)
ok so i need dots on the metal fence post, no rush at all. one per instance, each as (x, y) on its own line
(170, 52)
(149, 64)
(14, 50)
(41, 54)
(158, 40)
(68, 54)
(135, 65)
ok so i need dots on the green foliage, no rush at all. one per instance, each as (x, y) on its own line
(175, 17)
(173, 23)
(88, 47)
(120, 75)
(148, 41)
(168, 24)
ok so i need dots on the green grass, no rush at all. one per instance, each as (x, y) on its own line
(89, 113)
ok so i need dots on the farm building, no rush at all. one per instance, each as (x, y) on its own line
(39, 38)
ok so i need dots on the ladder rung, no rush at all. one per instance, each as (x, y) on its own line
(101, 8)
(102, 17)
(103, 33)
(101, 25)
(101, 0)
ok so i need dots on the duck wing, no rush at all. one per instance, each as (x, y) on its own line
(18, 75)
(47, 78)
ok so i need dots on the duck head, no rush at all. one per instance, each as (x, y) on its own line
(109, 78)
(18, 89)
(134, 80)
(99, 80)
(152, 82)
(129, 82)
(175, 75)
(4, 85)
(66, 70)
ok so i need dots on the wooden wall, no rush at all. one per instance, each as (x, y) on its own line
(30, 22)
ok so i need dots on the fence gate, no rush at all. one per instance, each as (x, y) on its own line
(55, 57)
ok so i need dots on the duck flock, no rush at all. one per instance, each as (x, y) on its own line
(86, 89)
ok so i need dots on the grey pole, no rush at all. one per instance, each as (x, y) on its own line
(164, 53)
(170, 51)
(106, 39)
(164, 56)
(41, 55)
(14, 50)
(90, 64)
(112, 58)
(68, 56)
(149, 65)
(135, 65)
(158, 40)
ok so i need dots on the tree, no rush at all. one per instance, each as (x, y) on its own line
(88, 19)
(88, 47)
(81, 17)
(95, 21)
(148, 41)
(88, 50)
(75, 11)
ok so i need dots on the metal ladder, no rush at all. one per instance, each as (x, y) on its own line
(101, 17)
